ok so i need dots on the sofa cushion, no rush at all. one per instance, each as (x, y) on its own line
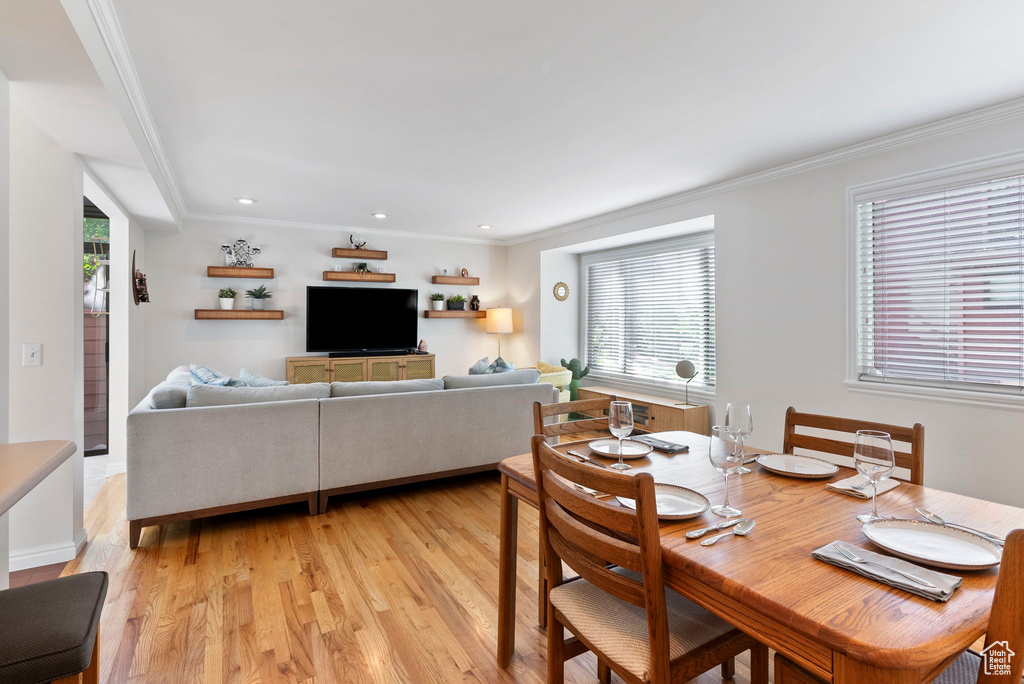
(256, 380)
(359, 389)
(526, 376)
(169, 395)
(480, 367)
(213, 395)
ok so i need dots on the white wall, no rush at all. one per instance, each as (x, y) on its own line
(176, 267)
(45, 402)
(781, 310)
(5, 145)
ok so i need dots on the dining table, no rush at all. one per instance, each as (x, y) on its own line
(820, 619)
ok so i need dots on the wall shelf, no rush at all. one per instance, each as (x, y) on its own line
(357, 254)
(238, 272)
(454, 280)
(454, 314)
(369, 277)
(239, 315)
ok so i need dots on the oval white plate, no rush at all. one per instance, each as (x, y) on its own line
(609, 448)
(934, 544)
(791, 465)
(674, 502)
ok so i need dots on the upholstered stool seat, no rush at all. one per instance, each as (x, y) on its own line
(963, 670)
(48, 630)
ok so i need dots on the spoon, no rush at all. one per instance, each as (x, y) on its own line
(936, 519)
(697, 534)
(741, 530)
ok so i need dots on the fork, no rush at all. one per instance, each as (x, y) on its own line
(857, 559)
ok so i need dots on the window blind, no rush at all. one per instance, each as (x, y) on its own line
(644, 313)
(941, 287)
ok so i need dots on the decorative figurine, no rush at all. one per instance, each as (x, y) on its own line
(422, 346)
(244, 253)
(360, 267)
(229, 254)
(356, 245)
(474, 303)
(465, 273)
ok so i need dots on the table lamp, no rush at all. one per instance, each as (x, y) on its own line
(687, 371)
(499, 322)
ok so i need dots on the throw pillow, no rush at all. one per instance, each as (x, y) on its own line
(256, 380)
(201, 375)
(546, 368)
(500, 365)
(480, 367)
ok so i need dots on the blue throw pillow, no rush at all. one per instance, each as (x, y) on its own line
(256, 380)
(500, 365)
(201, 375)
(480, 367)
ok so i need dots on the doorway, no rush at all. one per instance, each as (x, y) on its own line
(96, 291)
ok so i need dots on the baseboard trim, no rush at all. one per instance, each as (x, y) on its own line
(49, 554)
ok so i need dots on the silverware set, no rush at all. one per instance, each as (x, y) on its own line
(932, 517)
(584, 459)
(841, 548)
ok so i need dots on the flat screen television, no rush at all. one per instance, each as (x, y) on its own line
(360, 320)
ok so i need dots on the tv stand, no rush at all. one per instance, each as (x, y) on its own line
(367, 353)
(395, 366)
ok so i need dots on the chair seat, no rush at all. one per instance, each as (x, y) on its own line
(963, 670)
(47, 630)
(618, 629)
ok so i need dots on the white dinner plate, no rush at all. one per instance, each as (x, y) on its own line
(791, 465)
(674, 502)
(609, 448)
(933, 544)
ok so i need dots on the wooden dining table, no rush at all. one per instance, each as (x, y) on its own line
(833, 623)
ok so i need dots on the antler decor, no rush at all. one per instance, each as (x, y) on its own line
(356, 245)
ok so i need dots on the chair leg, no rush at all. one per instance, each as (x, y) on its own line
(729, 668)
(92, 673)
(604, 673)
(759, 664)
(556, 649)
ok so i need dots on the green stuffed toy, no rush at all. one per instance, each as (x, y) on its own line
(578, 373)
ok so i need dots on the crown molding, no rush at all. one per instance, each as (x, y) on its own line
(910, 136)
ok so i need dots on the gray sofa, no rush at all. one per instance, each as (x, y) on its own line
(192, 453)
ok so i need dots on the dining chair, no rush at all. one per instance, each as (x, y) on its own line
(912, 460)
(588, 407)
(619, 607)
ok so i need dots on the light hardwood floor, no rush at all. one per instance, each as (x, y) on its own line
(398, 586)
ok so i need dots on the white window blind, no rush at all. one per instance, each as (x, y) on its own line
(941, 287)
(647, 311)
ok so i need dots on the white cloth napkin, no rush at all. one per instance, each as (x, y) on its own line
(945, 584)
(846, 486)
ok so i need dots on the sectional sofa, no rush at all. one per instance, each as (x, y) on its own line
(196, 450)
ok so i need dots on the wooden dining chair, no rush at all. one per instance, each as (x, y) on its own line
(618, 607)
(912, 460)
(596, 408)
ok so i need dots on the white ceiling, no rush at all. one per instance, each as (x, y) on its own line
(52, 78)
(532, 114)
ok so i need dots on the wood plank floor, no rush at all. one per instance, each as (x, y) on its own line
(398, 586)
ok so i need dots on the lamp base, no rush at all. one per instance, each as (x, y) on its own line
(685, 403)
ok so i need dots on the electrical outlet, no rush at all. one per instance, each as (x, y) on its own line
(32, 354)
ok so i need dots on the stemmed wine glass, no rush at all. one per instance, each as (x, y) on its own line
(872, 454)
(738, 418)
(726, 454)
(620, 423)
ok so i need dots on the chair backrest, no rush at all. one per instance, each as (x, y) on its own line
(591, 407)
(912, 459)
(1006, 622)
(589, 534)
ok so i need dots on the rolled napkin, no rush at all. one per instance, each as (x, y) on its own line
(846, 486)
(945, 584)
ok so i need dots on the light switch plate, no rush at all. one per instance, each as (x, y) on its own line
(32, 354)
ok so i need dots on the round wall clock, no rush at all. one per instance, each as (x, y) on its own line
(561, 291)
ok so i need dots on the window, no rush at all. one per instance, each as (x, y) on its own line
(648, 307)
(940, 286)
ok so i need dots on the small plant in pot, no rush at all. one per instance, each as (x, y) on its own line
(437, 301)
(258, 297)
(227, 298)
(456, 303)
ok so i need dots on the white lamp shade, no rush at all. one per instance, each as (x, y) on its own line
(499, 320)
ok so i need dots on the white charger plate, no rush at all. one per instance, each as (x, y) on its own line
(674, 502)
(791, 465)
(609, 448)
(933, 544)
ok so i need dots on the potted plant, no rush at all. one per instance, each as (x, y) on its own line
(437, 301)
(227, 298)
(456, 303)
(258, 297)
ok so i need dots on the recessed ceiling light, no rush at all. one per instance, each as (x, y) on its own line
(245, 200)
(379, 214)
(484, 226)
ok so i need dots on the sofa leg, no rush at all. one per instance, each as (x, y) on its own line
(323, 502)
(134, 533)
(314, 503)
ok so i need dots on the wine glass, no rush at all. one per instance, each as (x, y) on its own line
(737, 417)
(620, 423)
(726, 454)
(872, 454)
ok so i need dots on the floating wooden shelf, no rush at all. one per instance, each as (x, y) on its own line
(455, 280)
(239, 315)
(454, 314)
(238, 272)
(357, 254)
(360, 277)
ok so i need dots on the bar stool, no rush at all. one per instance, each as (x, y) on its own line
(49, 632)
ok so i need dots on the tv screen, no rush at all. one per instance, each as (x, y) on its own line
(360, 319)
